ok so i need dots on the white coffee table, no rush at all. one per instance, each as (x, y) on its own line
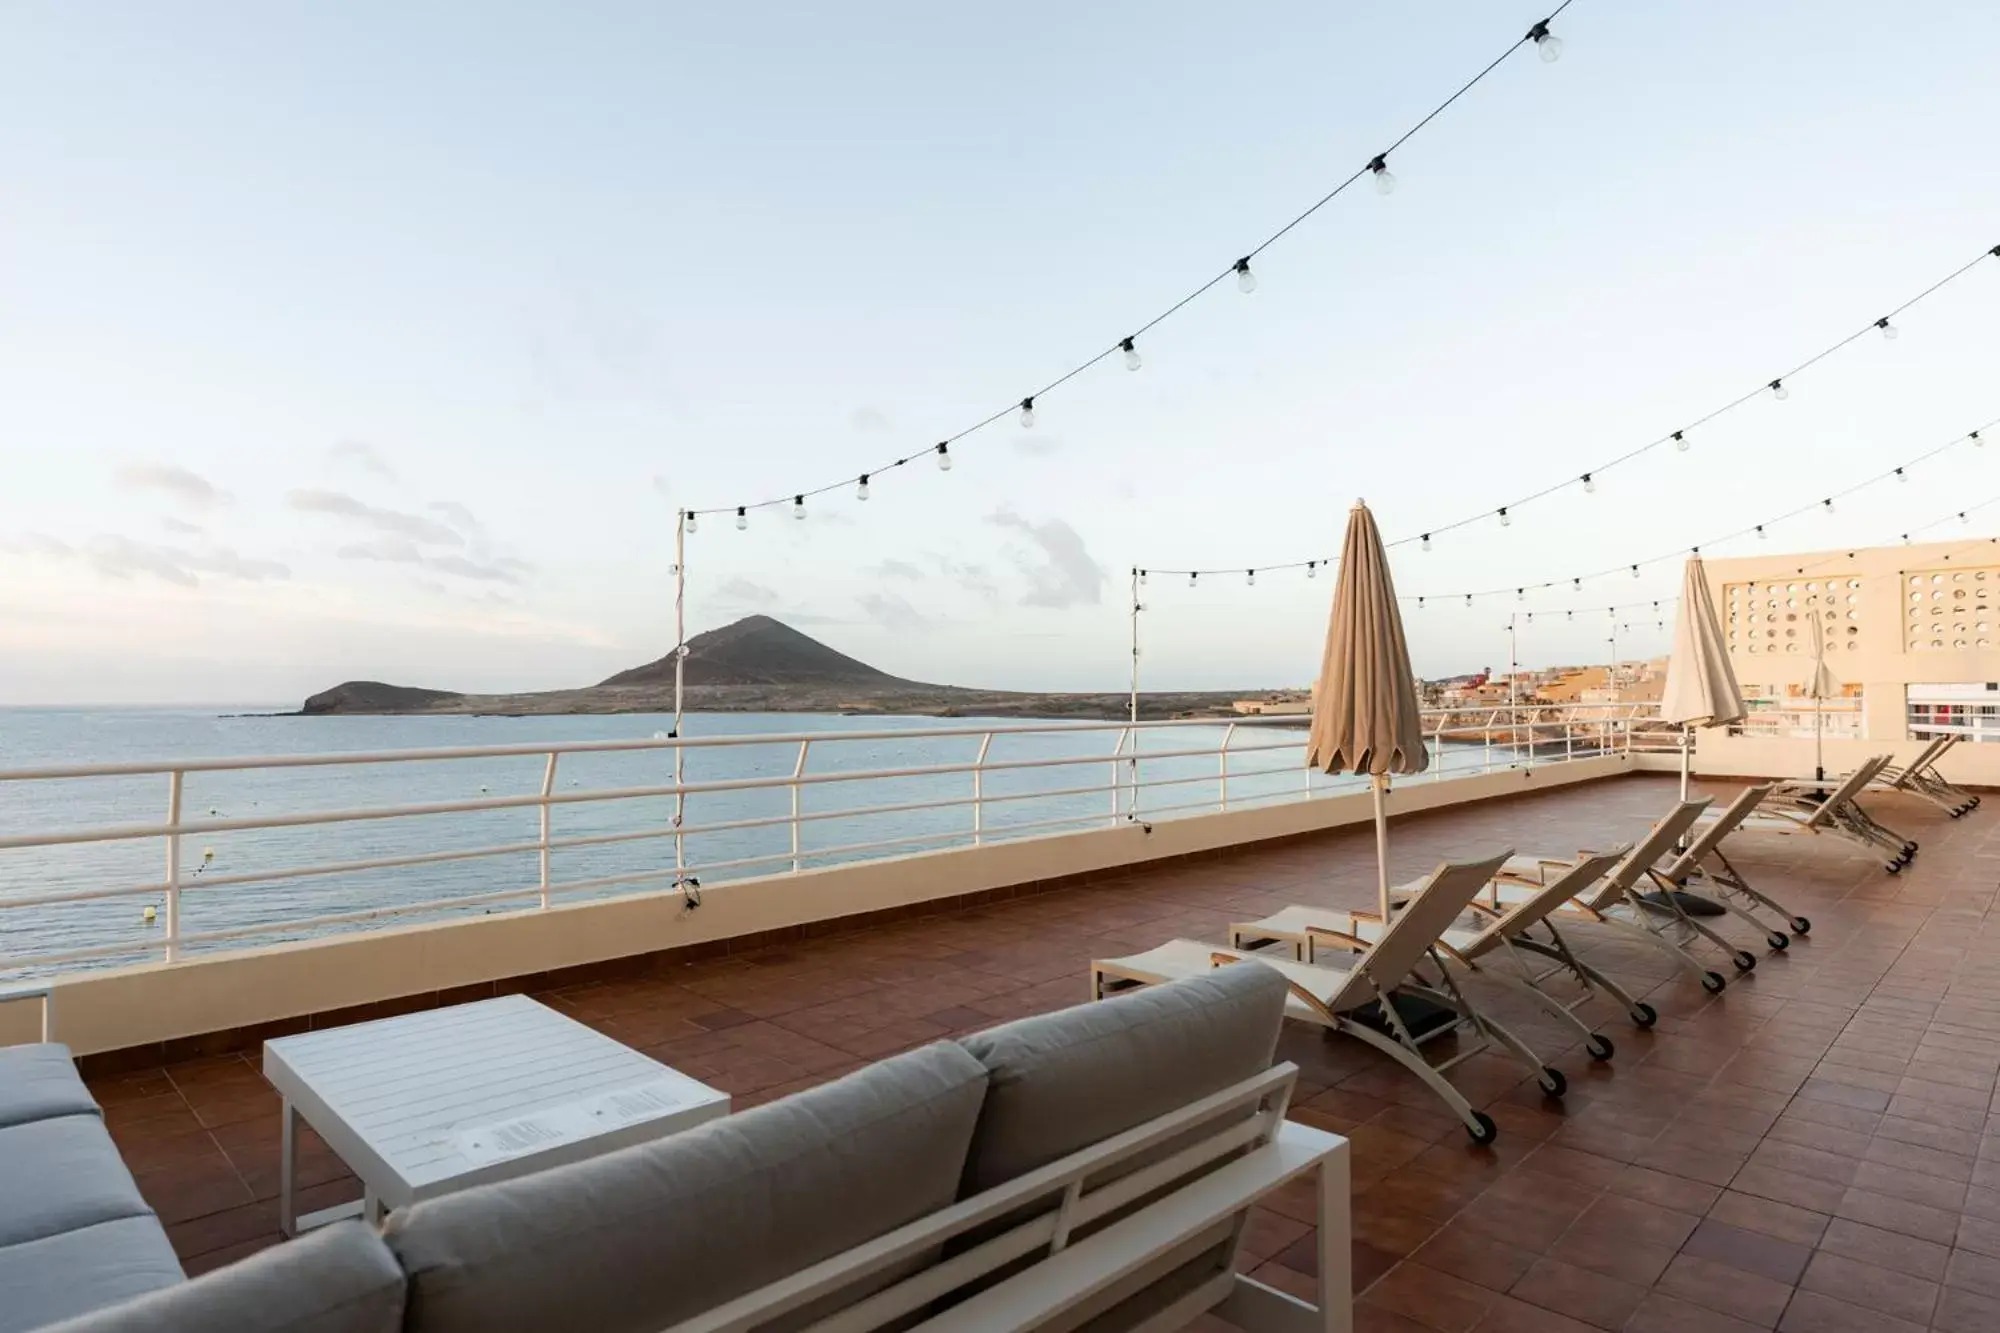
(432, 1102)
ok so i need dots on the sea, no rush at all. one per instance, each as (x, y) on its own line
(1017, 802)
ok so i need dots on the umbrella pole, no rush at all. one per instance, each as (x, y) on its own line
(1686, 756)
(1819, 759)
(1381, 784)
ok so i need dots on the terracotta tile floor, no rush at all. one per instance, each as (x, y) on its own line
(1809, 1151)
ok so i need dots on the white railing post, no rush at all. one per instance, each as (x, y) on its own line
(1222, 756)
(548, 786)
(174, 783)
(798, 771)
(979, 789)
(1569, 741)
(1117, 752)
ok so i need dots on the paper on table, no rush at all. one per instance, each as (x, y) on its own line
(642, 1102)
(556, 1125)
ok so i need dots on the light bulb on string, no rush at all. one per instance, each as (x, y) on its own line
(1468, 599)
(690, 522)
(1520, 594)
(1576, 585)
(1680, 442)
(944, 457)
(1132, 361)
(1192, 576)
(1977, 443)
(1385, 179)
(1889, 331)
(1142, 578)
(1589, 484)
(861, 487)
(1250, 577)
(1027, 412)
(1531, 618)
(1779, 391)
(1246, 281)
(1312, 569)
(1902, 475)
(1547, 44)
(1760, 532)
(799, 507)
(1427, 541)
(1962, 518)
(1635, 571)
(1420, 603)
(1505, 521)
(1827, 504)
(1569, 615)
(742, 518)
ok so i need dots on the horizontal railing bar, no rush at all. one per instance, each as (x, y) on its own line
(362, 914)
(137, 768)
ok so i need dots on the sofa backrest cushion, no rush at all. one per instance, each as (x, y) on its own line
(339, 1279)
(39, 1081)
(639, 1239)
(60, 1174)
(1063, 1081)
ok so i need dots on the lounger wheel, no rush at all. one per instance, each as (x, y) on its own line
(1482, 1130)
(1894, 867)
(1552, 1082)
(1712, 982)
(1801, 926)
(1644, 1015)
(1778, 941)
(1744, 960)
(1600, 1047)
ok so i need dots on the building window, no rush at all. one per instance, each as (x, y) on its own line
(1954, 710)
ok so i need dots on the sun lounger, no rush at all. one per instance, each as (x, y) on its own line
(1703, 859)
(1806, 807)
(1920, 777)
(1355, 994)
(1659, 921)
(1505, 933)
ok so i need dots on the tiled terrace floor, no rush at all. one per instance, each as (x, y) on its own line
(1810, 1151)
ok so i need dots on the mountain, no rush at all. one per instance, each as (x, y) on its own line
(757, 650)
(761, 665)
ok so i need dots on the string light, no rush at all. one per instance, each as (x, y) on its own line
(1779, 391)
(1385, 179)
(1680, 442)
(1246, 281)
(861, 487)
(1132, 361)
(1547, 44)
(799, 507)
(1828, 504)
(1191, 578)
(1977, 443)
(1505, 521)
(1427, 541)
(1312, 569)
(1760, 532)
(944, 456)
(1142, 578)
(1027, 413)
(1889, 331)
(742, 518)
(1901, 475)
(1250, 577)
(1589, 486)
(690, 523)
(1635, 571)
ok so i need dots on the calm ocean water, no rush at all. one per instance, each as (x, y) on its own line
(34, 737)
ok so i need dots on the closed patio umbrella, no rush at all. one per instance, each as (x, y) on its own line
(1820, 686)
(1701, 689)
(1365, 716)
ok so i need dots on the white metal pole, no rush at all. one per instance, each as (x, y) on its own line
(548, 786)
(1132, 712)
(680, 656)
(174, 782)
(1380, 782)
(1513, 671)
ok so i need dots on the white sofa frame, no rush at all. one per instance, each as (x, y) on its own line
(1248, 1151)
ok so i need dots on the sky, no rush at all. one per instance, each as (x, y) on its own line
(385, 340)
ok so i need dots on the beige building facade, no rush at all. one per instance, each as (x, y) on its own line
(1912, 639)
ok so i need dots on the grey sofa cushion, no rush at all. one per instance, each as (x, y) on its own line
(43, 1281)
(340, 1279)
(40, 1081)
(61, 1174)
(640, 1238)
(1063, 1081)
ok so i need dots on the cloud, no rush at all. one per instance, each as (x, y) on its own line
(459, 517)
(975, 579)
(1036, 445)
(181, 527)
(177, 483)
(1061, 572)
(402, 551)
(870, 419)
(891, 612)
(898, 569)
(124, 557)
(737, 589)
(361, 454)
(414, 527)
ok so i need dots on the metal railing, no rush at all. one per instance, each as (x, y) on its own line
(66, 892)
(1794, 719)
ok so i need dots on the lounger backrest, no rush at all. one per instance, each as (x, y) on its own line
(1658, 841)
(1850, 787)
(1416, 927)
(1724, 825)
(1564, 887)
(1929, 755)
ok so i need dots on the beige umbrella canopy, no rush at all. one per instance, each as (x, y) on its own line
(1821, 685)
(1365, 717)
(1701, 689)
